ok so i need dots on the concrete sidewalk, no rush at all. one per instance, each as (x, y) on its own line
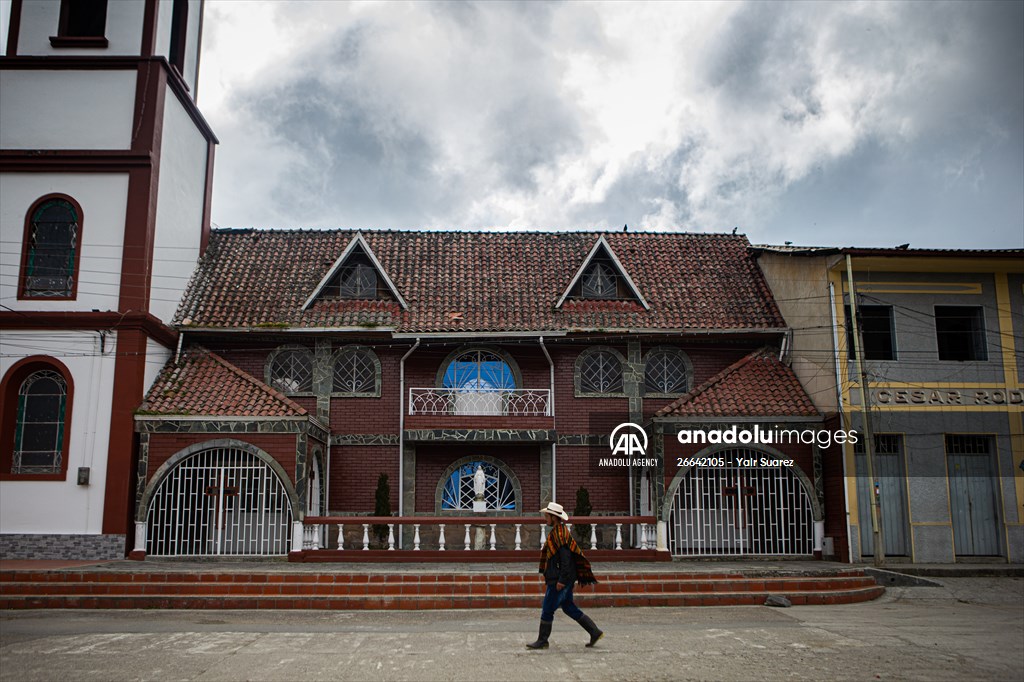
(963, 629)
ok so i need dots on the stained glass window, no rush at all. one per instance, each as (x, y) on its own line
(39, 433)
(52, 243)
(459, 491)
(479, 370)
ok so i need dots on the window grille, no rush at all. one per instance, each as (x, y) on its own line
(666, 372)
(39, 434)
(599, 281)
(52, 242)
(355, 372)
(459, 492)
(357, 281)
(479, 370)
(291, 371)
(960, 444)
(600, 372)
(885, 444)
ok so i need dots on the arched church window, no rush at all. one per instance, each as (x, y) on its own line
(667, 371)
(51, 251)
(40, 420)
(479, 370)
(290, 370)
(356, 372)
(495, 487)
(599, 371)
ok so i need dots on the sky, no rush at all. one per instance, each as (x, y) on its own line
(835, 123)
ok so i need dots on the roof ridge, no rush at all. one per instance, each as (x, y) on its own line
(270, 390)
(476, 231)
(714, 381)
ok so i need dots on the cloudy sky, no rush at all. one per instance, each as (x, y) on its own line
(818, 123)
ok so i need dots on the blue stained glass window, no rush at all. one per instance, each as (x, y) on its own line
(479, 371)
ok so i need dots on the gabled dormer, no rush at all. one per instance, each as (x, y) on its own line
(602, 277)
(356, 275)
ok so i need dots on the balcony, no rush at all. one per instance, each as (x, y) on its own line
(485, 402)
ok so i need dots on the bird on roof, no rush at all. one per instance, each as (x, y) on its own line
(625, 228)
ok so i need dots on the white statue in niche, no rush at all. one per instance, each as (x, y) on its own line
(479, 482)
(479, 485)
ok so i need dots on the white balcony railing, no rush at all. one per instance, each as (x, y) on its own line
(519, 402)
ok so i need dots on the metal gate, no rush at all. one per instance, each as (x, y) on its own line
(221, 501)
(727, 511)
(972, 496)
(892, 489)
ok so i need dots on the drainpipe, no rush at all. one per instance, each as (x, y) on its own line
(551, 412)
(401, 433)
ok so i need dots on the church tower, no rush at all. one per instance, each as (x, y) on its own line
(106, 168)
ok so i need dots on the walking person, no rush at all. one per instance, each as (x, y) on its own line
(563, 564)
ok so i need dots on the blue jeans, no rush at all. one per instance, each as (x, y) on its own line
(555, 599)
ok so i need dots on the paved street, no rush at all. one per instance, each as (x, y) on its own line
(967, 629)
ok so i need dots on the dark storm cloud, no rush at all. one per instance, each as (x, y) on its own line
(869, 119)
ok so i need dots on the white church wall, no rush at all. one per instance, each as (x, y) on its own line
(163, 37)
(103, 198)
(64, 507)
(101, 118)
(157, 356)
(179, 211)
(40, 19)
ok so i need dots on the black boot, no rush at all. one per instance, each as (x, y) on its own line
(592, 629)
(542, 638)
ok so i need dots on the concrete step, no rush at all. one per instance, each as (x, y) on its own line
(420, 602)
(174, 589)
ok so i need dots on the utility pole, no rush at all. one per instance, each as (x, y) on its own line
(865, 403)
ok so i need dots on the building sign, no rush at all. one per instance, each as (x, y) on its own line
(942, 396)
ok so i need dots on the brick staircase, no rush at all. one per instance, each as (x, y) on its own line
(86, 589)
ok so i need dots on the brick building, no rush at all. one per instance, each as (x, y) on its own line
(312, 362)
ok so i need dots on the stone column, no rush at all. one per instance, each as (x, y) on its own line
(323, 379)
(545, 474)
(632, 386)
(408, 490)
(301, 466)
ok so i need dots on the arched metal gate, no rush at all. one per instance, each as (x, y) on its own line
(733, 510)
(219, 501)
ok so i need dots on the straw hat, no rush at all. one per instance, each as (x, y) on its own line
(555, 509)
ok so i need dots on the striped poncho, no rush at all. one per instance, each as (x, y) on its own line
(559, 537)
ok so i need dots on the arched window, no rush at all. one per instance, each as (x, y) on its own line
(479, 370)
(356, 372)
(36, 419)
(51, 249)
(667, 371)
(500, 492)
(290, 369)
(599, 371)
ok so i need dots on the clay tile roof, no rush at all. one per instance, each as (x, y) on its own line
(204, 384)
(756, 386)
(477, 281)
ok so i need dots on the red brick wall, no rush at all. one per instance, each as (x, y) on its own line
(609, 489)
(372, 415)
(353, 476)
(432, 459)
(163, 446)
